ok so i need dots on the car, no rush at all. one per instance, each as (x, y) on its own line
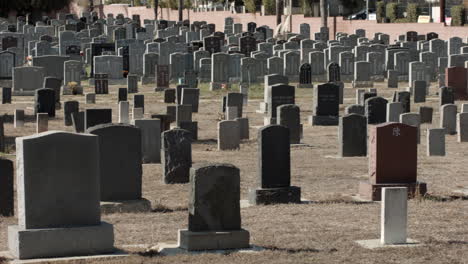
(361, 15)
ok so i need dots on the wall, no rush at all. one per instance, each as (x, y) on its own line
(347, 26)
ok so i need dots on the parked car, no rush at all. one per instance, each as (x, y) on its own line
(361, 15)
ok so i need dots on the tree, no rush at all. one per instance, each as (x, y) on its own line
(35, 7)
(324, 13)
(154, 5)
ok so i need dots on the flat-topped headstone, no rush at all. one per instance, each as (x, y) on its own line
(448, 118)
(394, 215)
(289, 115)
(274, 174)
(392, 160)
(94, 117)
(394, 110)
(70, 107)
(353, 135)
(435, 142)
(45, 101)
(376, 110)
(228, 135)
(119, 161)
(6, 188)
(150, 139)
(325, 105)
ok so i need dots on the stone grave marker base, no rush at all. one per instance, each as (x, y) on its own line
(375, 244)
(130, 206)
(283, 195)
(104, 257)
(174, 249)
(194, 241)
(323, 120)
(60, 242)
(372, 192)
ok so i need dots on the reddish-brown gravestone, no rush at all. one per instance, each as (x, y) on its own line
(393, 161)
(456, 77)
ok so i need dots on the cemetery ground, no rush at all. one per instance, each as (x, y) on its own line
(322, 231)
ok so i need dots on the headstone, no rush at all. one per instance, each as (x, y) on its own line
(435, 142)
(392, 161)
(353, 135)
(280, 94)
(462, 127)
(412, 119)
(274, 174)
(190, 96)
(45, 101)
(124, 112)
(228, 135)
(394, 215)
(325, 105)
(119, 161)
(69, 108)
(90, 98)
(150, 139)
(214, 210)
(6, 188)
(94, 117)
(78, 119)
(68, 222)
(176, 155)
(6, 95)
(376, 110)
(289, 116)
(448, 118)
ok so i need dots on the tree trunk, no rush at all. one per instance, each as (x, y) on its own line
(181, 8)
(442, 11)
(324, 13)
(279, 11)
(91, 5)
(155, 9)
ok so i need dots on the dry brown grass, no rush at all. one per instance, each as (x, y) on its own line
(323, 231)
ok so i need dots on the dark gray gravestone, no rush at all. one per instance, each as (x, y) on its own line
(176, 157)
(446, 95)
(305, 76)
(123, 94)
(376, 110)
(236, 100)
(274, 172)
(354, 109)
(404, 98)
(326, 105)
(365, 96)
(45, 101)
(94, 117)
(214, 210)
(169, 96)
(425, 113)
(165, 121)
(6, 95)
(419, 91)
(190, 126)
(69, 108)
(280, 94)
(290, 116)
(54, 84)
(78, 120)
(139, 101)
(6, 188)
(190, 96)
(119, 161)
(353, 135)
(334, 72)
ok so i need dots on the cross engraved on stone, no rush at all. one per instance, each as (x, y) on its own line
(396, 131)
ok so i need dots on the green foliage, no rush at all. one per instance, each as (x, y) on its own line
(412, 12)
(187, 4)
(402, 20)
(137, 3)
(270, 7)
(380, 12)
(307, 8)
(250, 6)
(458, 15)
(392, 12)
(109, 2)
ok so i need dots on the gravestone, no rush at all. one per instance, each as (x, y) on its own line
(124, 112)
(448, 118)
(412, 119)
(274, 174)
(376, 110)
(289, 115)
(70, 107)
(45, 101)
(325, 105)
(78, 119)
(435, 142)
(404, 97)
(280, 94)
(426, 114)
(353, 135)
(139, 101)
(214, 210)
(122, 94)
(176, 155)
(94, 117)
(58, 216)
(150, 139)
(190, 96)
(334, 72)
(394, 110)
(392, 161)
(101, 83)
(6, 188)
(228, 135)
(169, 96)
(305, 76)
(462, 127)
(6, 95)
(456, 77)
(162, 77)
(446, 95)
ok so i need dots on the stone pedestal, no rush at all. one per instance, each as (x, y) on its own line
(193, 241)
(323, 120)
(60, 242)
(129, 206)
(373, 192)
(260, 196)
